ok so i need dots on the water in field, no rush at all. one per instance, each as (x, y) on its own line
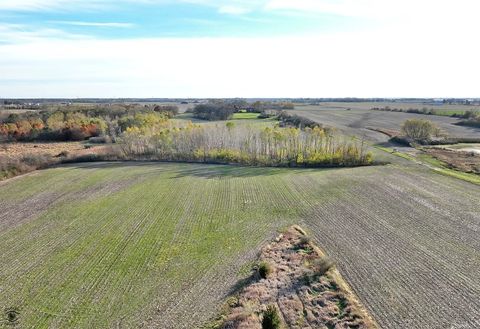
(475, 148)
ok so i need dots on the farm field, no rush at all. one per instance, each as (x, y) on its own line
(161, 245)
(444, 108)
(356, 120)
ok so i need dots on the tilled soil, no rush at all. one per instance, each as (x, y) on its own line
(361, 122)
(166, 251)
(408, 245)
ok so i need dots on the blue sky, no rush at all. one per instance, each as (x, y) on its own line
(155, 19)
(251, 48)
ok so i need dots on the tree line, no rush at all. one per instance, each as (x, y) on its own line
(77, 123)
(224, 110)
(246, 145)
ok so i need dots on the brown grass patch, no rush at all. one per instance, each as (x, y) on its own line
(304, 286)
(465, 161)
(21, 158)
(19, 150)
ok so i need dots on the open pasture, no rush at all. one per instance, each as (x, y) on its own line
(355, 120)
(160, 245)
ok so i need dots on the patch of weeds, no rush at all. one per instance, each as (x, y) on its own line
(304, 246)
(218, 321)
(314, 291)
(301, 322)
(330, 325)
(342, 305)
(318, 268)
(308, 278)
(264, 269)
(271, 318)
(304, 240)
(334, 286)
(231, 301)
(322, 265)
(306, 250)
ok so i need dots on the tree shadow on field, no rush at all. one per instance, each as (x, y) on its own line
(201, 170)
(234, 171)
(117, 164)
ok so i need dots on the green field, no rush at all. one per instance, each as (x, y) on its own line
(161, 245)
(245, 116)
(117, 243)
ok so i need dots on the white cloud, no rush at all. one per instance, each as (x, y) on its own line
(387, 63)
(19, 33)
(37, 5)
(234, 10)
(380, 9)
(96, 24)
(402, 10)
(68, 5)
(420, 49)
(223, 6)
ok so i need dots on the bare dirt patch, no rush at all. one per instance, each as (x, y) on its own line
(302, 284)
(466, 161)
(18, 150)
(21, 158)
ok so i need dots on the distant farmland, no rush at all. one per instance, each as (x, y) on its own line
(357, 118)
(160, 245)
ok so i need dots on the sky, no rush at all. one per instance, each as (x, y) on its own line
(249, 49)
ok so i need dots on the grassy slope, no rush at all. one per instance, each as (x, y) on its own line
(165, 248)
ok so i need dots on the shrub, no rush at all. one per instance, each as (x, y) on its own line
(472, 119)
(264, 270)
(214, 111)
(264, 115)
(470, 114)
(322, 265)
(169, 110)
(304, 240)
(271, 318)
(419, 130)
(297, 121)
(30, 162)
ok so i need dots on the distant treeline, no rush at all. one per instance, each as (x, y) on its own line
(287, 119)
(224, 110)
(80, 123)
(472, 117)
